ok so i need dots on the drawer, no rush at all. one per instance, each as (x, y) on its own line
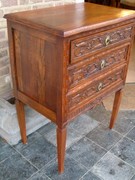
(82, 71)
(92, 103)
(82, 47)
(96, 88)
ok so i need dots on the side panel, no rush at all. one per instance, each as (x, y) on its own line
(35, 60)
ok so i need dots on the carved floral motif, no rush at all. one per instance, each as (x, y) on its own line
(89, 105)
(76, 99)
(90, 44)
(79, 73)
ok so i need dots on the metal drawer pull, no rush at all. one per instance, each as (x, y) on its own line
(100, 86)
(107, 40)
(103, 63)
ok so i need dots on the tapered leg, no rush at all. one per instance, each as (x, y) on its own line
(21, 120)
(61, 146)
(116, 105)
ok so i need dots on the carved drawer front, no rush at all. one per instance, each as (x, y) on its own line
(82, 47)
(83, 70)
(95, 88)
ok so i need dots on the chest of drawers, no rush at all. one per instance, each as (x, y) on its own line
(66, 60)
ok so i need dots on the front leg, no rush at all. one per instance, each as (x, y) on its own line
(61, 147)
(115, 110)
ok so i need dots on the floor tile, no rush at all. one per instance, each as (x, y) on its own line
(90, 176)
(128, 114)
(31, 139)
(40, 152)
(133, 178)
(5, 150)
(84, 124)
(123, 125)
(99, 113)
(72, 135)
(124, 122)
(103, 136)
(16, 168)
(47, 128)
(86, 152)
(112, 168)
(39, 176)
(125, 149)
(73, 170)
(106, 121)
(131, 134)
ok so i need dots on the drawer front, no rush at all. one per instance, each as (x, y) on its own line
(82, 47)
(95, 88)
(93, 102)
(80, 72)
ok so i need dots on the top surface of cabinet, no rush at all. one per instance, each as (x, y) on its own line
(72, 19)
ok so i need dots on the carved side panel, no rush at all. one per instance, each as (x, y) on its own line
(94, 89)
(84, 46)
(79, 73)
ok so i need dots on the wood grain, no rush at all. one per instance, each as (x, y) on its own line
(116, 105)
(21, 120)
(67, 59)
(61, 145)
(71, 19)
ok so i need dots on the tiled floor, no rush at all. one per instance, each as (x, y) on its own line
(94, 152)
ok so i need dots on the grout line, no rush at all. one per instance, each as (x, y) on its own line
(117, 156)
(117, 132)
(83, 136)
(55, 145)
(132, 177)
(112, 154)
(99, 146)
(40, 170)
(5, 159)
(129, 139)
(79, 162)
(55, 158)
(25, 158)
(33, 175)
(92, 173)
(103, 147)
(32, 142)
(41, 176)
(96, 144)
(98, 161)
(84, 175)
(123, 161)
(84, 133)
(109, 151)
(89, 169)
(129, 131)
(72, 144)
(125, 135)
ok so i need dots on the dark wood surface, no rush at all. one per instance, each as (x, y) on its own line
(66, 60)
(71, 19)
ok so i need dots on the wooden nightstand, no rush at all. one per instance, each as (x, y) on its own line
(66, 59)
